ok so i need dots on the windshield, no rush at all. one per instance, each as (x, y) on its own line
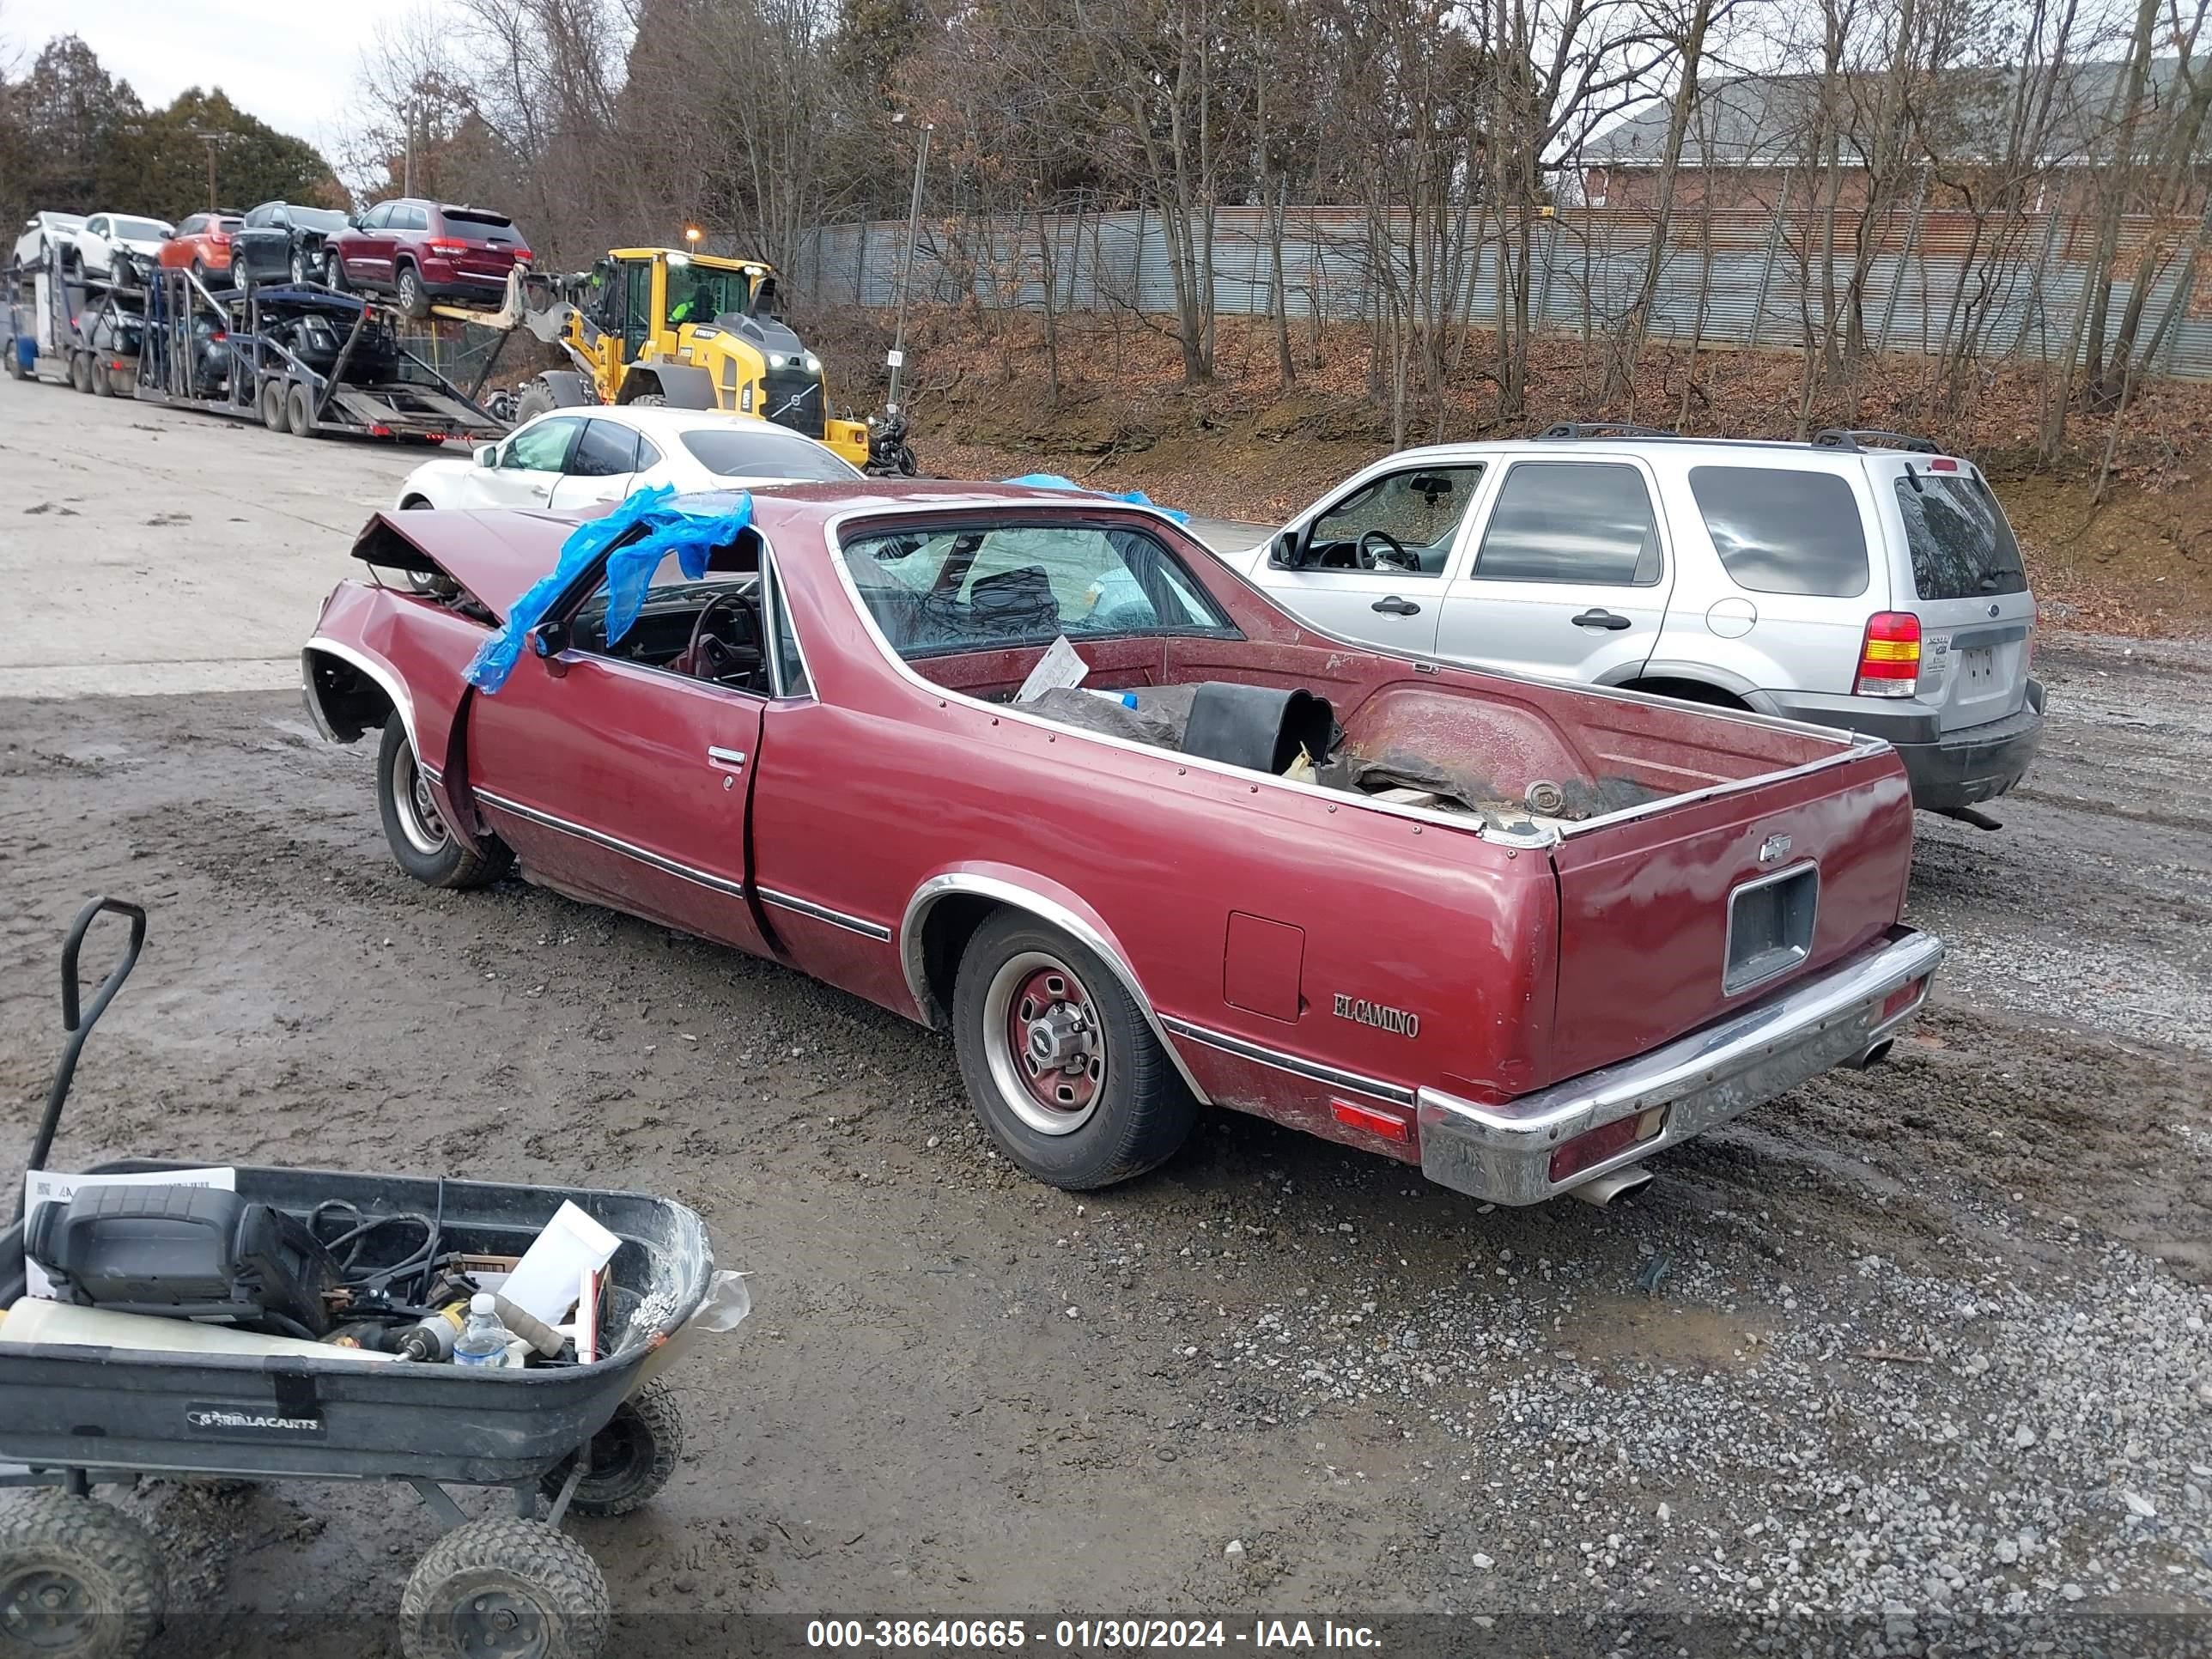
(698, 295)
(984, 589)
(1961, 546)
(320, 219)
(142, 230)
(765, 452)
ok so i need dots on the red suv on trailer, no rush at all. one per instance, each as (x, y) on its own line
(419, 251)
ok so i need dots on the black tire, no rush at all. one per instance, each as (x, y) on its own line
(1120, 1106)
(103, 381)
(80, 371)
(631, 1459)
(408, 292)
(333, 271)
(421, 843)
(78, 1580)
(302, 267)
(200, 270)
(649, 400)
(241, 274)
(274, 414)
(535, 398)
(503, 1584)
(300, 410)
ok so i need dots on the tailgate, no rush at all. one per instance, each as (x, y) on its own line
(1693, 908)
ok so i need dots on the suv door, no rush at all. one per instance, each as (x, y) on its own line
(368, 250)
(1571, 574)
(1972, 599)
(1376, 556)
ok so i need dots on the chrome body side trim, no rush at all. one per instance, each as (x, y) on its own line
(615, 844)
(1313, 1071)
(1502, 1153)
(851, 923)
(362, 662)
(1016, 897)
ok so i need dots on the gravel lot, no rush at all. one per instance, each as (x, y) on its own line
(1914, 1360)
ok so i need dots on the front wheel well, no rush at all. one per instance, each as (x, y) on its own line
(351, 702)
(1687, 691)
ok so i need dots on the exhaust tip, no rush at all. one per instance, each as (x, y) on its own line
(1874, 1056)
(1605, 1188)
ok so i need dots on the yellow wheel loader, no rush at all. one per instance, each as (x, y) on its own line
(658, 325)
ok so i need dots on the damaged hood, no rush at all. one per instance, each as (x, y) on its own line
(492, 556)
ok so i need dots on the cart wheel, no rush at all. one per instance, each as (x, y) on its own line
(630, 1459)
(78, 1580)
(505, 1588)
(272, 406)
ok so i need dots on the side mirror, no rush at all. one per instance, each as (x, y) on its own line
(549, 639)
(1288, 552)
(487, 454)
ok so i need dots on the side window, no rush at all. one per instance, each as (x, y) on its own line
(281, 219)
(97, 225)
(791, 677)
(377, 217)
(191, 227)
(1571, 521)
(647, 456)
(542, 447)
(412, 218)
(1779, 531)
(1403, 521)
(607, 450)
(637, 307)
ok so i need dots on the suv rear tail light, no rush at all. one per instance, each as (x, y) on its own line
(1889, 659)
(449, 249)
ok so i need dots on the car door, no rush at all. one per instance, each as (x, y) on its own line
(527, 468)
(1570, 575)
(368, 250)
(1376, 556)
(621, 782)
(93, 251)
(600, 467)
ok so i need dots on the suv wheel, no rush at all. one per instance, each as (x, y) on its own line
(303, 270)
(407, 288)
(333, 271)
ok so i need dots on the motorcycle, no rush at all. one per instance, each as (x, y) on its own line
(889, 455)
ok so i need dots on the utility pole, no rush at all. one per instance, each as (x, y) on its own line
(211, 139)
(906, 272)
(407, 151)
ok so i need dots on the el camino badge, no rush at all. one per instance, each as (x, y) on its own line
(1776, 849)
(1362, 1012)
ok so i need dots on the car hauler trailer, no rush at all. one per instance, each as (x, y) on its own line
(64, 327)
(299, 358)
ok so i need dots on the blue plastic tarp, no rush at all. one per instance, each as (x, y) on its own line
(1135, 497)
(690, 528)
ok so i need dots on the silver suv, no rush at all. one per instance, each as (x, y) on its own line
(1863, 580)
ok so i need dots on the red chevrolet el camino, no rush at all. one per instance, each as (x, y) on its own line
(1522, 934)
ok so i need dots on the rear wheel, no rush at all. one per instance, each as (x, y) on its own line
(1060, 1061)
(103, 382)
(299, 410)
(505, 1587)
(78, 1580)
(241, 278)
(533, 401)
(631, 1459)
(274, 414)
(407, 289)
(421, 843)
(79, 372)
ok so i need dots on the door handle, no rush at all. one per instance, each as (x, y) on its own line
(1392, 605)
(1604, 619)
(731, 760)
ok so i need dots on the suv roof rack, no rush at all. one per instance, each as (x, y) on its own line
(1857, 438)
(1603, 429)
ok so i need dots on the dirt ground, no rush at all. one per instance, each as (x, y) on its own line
(1922, 1348)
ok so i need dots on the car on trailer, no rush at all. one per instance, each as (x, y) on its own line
(418, 251)
(57, 324)
(298, 359)
(41, 232)
(107, 245)
(571, 457)
(201, 245)
(1520, 933)
(281, 242)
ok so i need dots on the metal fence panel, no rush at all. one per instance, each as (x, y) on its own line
(1736, 278)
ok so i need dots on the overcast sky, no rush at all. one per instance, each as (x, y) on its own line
(289, 61)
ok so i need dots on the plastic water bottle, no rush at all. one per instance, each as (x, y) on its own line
(484, 1341)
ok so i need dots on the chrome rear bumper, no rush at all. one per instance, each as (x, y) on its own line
(1503, 1153)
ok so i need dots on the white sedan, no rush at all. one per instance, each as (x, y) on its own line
(569, 458)
(105, 235)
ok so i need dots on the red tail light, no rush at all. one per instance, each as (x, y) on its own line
(1594, 1146)
(1353, 1115)
(522, 253)
(449, 249)
(1889, 659)
(1903, 996)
